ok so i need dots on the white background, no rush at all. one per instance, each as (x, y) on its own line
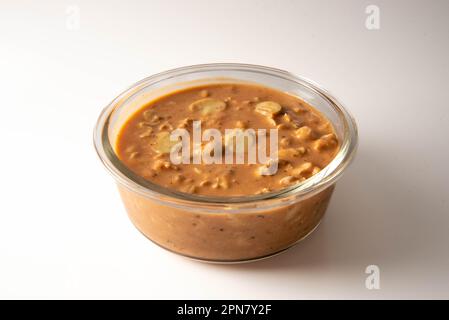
(63, 230)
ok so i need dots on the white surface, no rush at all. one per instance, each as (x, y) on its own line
(63, 230)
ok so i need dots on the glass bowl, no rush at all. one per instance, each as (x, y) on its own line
(224, 229)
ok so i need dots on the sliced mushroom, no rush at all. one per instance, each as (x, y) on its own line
(268, 108)
(208, 106)
(163, 142)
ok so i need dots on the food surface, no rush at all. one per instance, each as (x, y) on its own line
(306, 141)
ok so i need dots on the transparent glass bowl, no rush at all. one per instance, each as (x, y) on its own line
(224, 229)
